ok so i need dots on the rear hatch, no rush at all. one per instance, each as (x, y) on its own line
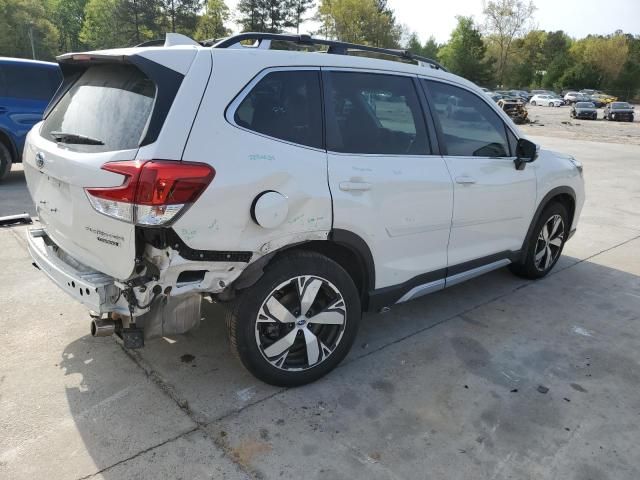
(107, 108)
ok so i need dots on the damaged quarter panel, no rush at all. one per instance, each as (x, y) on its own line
(223, 218)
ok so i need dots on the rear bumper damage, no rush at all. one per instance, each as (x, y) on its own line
(165, 298)
(92, 288)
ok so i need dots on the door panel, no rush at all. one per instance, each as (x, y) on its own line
(386, 186)
(492, 214)
(493, 202)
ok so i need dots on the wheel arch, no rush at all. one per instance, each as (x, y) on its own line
(564, 195)
(346, 248)
(8, 142)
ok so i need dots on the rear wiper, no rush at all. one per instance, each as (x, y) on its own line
(75, 138)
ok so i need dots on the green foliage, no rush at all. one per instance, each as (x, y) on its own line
(509, 52)
(180, 16)
(212, 23)
(23, 22)
(506, 20)
(270, 15)
(368, 22)
(430, 49)
(69, 17)
(465, 53)
(102, 27)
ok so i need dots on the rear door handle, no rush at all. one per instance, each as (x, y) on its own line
(465, 180)
(355, 186)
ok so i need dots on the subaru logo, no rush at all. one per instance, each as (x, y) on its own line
(301, 322)
(39, 159)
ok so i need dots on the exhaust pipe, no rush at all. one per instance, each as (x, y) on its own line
(102, 328)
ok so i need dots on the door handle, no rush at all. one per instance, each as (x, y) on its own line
(465, 180)
(354, 186)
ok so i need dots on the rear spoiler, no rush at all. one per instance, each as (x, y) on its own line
(167, 82)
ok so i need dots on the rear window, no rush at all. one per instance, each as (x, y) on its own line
(29, 82)
(111, 104)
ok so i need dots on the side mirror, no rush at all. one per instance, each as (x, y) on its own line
(526, 152)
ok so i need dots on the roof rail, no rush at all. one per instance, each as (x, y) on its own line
(263, 40)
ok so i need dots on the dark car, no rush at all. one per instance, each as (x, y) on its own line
(26, 86)
(619, 111)
(586, 110)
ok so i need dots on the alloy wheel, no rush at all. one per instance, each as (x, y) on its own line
(300, 323)
(549, 243)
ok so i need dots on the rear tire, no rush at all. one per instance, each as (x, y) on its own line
(533, 103)
(5, 161)
(546, 243)
(297, 322)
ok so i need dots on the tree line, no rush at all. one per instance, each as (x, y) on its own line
(502, 49)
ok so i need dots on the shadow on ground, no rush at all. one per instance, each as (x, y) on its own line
(448, 379)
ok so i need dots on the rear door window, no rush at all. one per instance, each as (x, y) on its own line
(285, 105)
(111, 104)
(470, 127)
(29, 82)
(372, 113)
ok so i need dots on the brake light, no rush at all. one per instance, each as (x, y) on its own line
(153, 192)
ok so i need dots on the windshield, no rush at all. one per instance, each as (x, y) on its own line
(620, 105)
(109, 104)
(585, 105)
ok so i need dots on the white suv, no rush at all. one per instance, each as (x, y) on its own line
(298, 188)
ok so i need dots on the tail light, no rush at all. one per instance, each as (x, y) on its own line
(153, 192)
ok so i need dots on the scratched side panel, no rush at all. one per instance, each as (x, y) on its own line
(246, 165)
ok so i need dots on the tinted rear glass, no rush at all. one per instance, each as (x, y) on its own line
(109, 103)
(30, 82)
(285, 105)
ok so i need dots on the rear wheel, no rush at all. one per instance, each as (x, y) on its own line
(5, 161)
(545, 245)
(533, 103)
(297, 322)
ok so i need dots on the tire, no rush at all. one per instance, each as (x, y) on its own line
(533, 103)
(550, 104)
(544, 250)
(277, 343)
(5, 161)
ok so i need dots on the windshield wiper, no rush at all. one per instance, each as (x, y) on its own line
(75, 138)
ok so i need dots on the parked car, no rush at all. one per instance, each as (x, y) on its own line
(546, 100)
(297, 189)
(573, 97)
(596, 100)
(541, 92)
(585, 110)
(604, 98)
(619, 111)
(515, 110)
(26, 86)
(521, 94)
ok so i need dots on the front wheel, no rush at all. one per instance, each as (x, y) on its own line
(545, 245)
(297, 322)
(533, 103)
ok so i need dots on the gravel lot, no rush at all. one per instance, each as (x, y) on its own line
(556, 122)
(450, 386)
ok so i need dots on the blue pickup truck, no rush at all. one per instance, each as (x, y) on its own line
(26, 86)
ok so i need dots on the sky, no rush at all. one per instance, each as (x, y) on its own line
(576, 17)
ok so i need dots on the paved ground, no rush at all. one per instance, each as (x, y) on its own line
(445, 387)
(558, 123)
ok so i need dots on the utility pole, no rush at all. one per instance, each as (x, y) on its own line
(33, 48)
